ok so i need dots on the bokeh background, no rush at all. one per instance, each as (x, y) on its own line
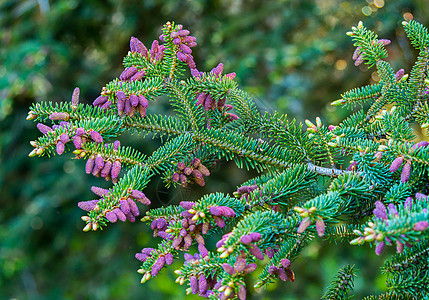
(292, 56)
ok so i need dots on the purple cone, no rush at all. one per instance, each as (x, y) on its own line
(99, 191)
(134, 100)
(241, 292)
(285, 263)
(64, 138)
(75, 97)
(111, 216)
(228, 212)
(193, 282)
(203, 250)
(43, 128)
(148, 251)
(273, 270)
(169, 258)
(187, 242)
(87, 205)
(304, 225)
(185, 49)
(140, 256)
(183, 32)
(219, 222)
(124, 206)
(158, 265)
(356, 53)
(256, 236)
(397, 162)
(130, 217)
(399, 74)
(380, 210)
(77, 141)
(421, 196)
(249, 268)
(80, 131)
(99, 162)
(121, 216)
(246, 239)
(256, 252)
(127, 73)
(408, 204)
(143, 101)
(161, 224)
(57, 116)
(421, 226)
(187, 204)
(133, 207)
(116, 145)
(116, 169)
(60, 148)
(320, 227)
(392, 209)
(228, 268)
(137, 46)
(100, 100)
(106, 169)
(89, 165)
(282, 274)
(240, 264)
(209, 103)
(202, 284)
(216, 211)
(181, 56)
(406, 171)
(385, 42)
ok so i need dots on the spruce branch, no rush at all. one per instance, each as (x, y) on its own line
(417, 34)
(418, 75)
(246, 108)
(42, 111)
(173, 150)
(126, 155)
(282, 188)
(343, 283)
(150, 88)
(341, 232)
(181, 99)
(359, 96)
(282, 258)
(278, 212)
(285, 133)
(156, 124)
(134, 180)
(371, 49)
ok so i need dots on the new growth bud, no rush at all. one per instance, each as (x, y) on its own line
(75, 98)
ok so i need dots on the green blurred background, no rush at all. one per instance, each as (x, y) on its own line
(292, 56)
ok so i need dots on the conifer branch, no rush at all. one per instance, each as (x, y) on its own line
(287, 205)
(339, 288)
(185, 107)
(155, 124)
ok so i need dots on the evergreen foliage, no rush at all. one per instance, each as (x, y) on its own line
(276, 214)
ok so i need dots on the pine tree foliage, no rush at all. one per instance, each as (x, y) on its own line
(276, 214)
(343, 283)
(156, 124)
(409, 269)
